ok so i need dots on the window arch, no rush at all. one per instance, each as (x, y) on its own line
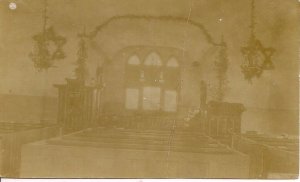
(134, 60)
(153, 59)
(172, 62)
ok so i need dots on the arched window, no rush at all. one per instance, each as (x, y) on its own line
(152, 83)
(134, 60)
(153, 59)
(172, 63)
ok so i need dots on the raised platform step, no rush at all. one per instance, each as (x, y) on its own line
(285, 144)
(143, 142)
(148, 122)
(133, 139)
(10, 127)
(148, 147)
(151, 138)
(135, 132)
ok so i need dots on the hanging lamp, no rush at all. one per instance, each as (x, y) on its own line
(257, 58)
(48, 45)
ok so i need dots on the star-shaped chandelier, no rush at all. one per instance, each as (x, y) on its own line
(257, 57)
(48, 46)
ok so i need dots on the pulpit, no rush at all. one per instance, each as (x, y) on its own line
(78, 105)
(223, 118)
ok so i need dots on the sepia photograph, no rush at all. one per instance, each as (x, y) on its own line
(149, 89)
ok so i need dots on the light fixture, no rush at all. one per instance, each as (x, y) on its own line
(42, 56)
(257, 57)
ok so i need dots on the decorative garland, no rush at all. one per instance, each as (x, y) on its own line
(157, 18)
